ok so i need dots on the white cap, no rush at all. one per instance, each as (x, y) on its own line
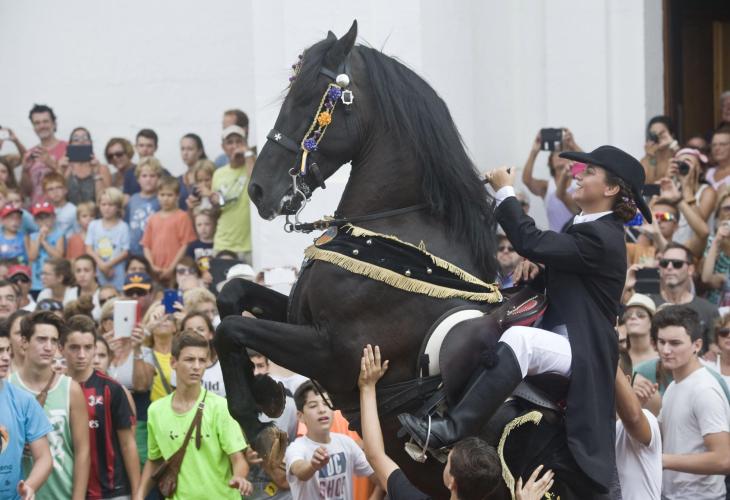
(238, 271)
(233, 129)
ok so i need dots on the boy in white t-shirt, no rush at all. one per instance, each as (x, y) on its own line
(695, 415)
(638, 440)
(320, 465)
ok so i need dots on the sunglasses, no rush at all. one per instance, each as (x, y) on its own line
(118, 154)
(505, 248)
(135, 293)
(20, 279)
(676, 264)
(723, 332)
(49, 306)
(665, 216)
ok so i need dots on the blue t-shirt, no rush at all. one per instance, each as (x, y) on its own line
(66, 219)
(22, 420)
(108, 244)
(139, 210)
(13, 248)
(184, 193)
(28, 224)
(37, 265)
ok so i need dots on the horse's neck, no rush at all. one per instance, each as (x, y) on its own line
(382, 179)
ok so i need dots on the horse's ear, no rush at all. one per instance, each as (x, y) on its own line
(331, 36)
(342, 47)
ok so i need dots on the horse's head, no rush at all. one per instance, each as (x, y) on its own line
(299, 155)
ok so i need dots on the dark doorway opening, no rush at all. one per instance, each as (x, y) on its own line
(696, 63)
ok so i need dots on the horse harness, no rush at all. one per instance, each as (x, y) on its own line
(337, 91)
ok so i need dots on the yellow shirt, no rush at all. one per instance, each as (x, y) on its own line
(233, 231)
(158, 389)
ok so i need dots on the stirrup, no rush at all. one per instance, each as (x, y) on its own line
(420, 453)
(413, 450)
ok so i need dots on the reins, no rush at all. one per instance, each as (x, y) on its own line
(323, 224)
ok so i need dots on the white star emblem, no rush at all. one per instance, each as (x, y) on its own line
(277, 137)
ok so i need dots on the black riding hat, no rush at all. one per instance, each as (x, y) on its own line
(620, 163)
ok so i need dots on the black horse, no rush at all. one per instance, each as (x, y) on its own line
(411, 178)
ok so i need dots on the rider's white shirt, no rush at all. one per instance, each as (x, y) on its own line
(639, 466)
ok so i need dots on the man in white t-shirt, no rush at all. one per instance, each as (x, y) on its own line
(638, 441)
(695, 415)
(321, 464)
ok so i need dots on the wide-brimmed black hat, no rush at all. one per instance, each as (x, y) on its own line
(620, 163)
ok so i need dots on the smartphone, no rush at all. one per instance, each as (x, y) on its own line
(125, 317)
(79, 153)
(551, 139)
(169, 298)
(651, 190)
(647, 281)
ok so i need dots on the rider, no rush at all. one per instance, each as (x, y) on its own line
(584, 273)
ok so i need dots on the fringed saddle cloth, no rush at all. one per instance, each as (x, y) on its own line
(399, 264)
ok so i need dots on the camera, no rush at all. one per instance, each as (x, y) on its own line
(196, 192)
(551, 139)
(683, 168)
(653, 137)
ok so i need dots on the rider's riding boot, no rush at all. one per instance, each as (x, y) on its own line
(481, 400)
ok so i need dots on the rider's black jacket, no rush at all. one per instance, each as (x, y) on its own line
(585, 270)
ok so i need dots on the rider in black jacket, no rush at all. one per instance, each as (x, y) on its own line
(585, 269)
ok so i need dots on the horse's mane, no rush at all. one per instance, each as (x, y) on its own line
(411, 109)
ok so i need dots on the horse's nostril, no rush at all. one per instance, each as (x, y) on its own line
(255, 193)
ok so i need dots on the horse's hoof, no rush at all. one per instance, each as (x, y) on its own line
(269, 395)
(270, 444)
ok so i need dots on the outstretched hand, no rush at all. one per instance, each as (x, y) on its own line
(534, 489)
(372, 368)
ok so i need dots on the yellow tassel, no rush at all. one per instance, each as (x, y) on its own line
(438, 261)
(535, 417)
(396, 280)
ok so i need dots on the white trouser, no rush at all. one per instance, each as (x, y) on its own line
(538, 350)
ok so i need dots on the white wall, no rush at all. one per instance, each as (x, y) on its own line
(506, 69)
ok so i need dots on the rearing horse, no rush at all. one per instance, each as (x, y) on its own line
(411, 178)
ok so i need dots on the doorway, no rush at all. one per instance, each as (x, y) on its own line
(697, 63)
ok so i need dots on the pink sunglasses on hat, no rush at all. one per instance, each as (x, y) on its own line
(577, 168)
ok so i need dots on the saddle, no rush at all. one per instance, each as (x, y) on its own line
(465, 337)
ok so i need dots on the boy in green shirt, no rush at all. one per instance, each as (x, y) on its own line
(218, 469)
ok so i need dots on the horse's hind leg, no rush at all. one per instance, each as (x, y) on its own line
(298, 348)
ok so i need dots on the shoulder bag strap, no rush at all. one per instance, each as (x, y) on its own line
(163, 379)
(43, 395)
(195, 425)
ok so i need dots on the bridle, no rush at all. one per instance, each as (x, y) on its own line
(334, 93)
(303, 168)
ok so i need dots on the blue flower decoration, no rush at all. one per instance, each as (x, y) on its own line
(310, 145)
(334, 93)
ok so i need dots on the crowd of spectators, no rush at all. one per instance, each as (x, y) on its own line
(88, 412)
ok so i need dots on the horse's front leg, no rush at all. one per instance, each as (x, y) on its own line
(298, 348)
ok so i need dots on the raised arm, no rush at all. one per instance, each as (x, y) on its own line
(371, 370)
(629, 411)
(538, 187)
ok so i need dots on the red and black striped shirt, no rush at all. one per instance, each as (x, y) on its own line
(109, 411)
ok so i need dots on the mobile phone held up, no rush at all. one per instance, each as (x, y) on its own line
(169, 298)
(79, 153)
(650, 190)
(551, 139)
